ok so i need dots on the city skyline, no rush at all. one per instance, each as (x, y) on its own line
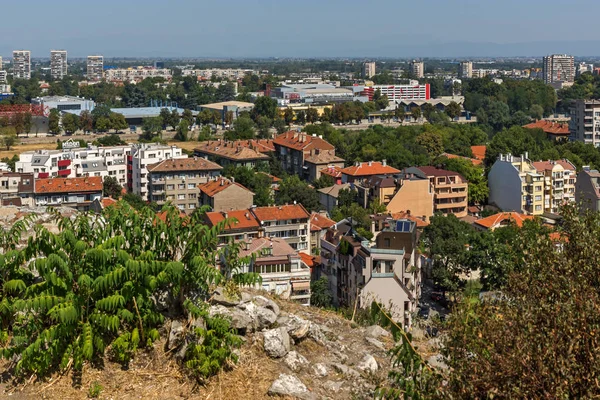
(316, 29)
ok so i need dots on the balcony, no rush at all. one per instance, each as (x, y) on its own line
(64, 172)
(63, 163)
(383, 275)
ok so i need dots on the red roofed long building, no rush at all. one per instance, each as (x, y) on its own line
(502, 219)
(365, 170)
(71, 192)
(240, 153)
(293, 148)
(554, 130)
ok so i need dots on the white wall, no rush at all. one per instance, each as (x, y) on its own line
(505, 186)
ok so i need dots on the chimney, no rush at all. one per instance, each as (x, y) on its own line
(370, 163)
(233, 179)
(384, 162)
(222, 183)
(225, 214)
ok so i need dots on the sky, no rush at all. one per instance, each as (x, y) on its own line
(306, 28)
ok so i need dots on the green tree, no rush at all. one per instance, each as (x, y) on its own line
(428, 109)
(324, 181)
(187, 116)
(312, 115)
(182, 131)
(174, 119)
(118, 121)
(152, 126)
(346, 197)
(165, 116)
(243, 128)
(54, 121)
(111, 187)
(536, 111)
(453, 110)
(293, 189)
(432, 142)
(17, 120)
(320, 295)
(474, 174)
(279, 125)
(288, 116)
(8, 136)
(204, 117)
(27, 122)
(415, 113)
(264, 106)
(70, 123)
(103, 124)
(85, 121)
(264, 124)
(400, 114)
(301, 117)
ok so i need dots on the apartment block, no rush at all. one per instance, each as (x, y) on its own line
(16, 189)
(78, 193)
(141, 156)
(558, 68)
(368, 70)
(465, 69)
(397, 93)
(417, 69)
(587, 191)
(451, 190)
(239, 153)
(95, 68)
(292, 148)
(516, 184)
(58, 64)
(319, 160)
(137, 74)
(225, 195)
(176, 181)
(22, 64)
(362, 171)
(584, 125)
(76, 162)
(1, 65)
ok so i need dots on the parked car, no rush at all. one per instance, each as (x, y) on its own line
(424, 312)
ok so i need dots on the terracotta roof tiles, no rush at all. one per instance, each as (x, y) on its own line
(479, 152)
(497, 220)
(369, 168)
(184, 164)
(550, 164)
(280, 213)
(245, 219)
(211, 188)
(550, 127)
(302, 141)
(68, 185)
(319, 221)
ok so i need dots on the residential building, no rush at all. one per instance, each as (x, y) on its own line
(141, 156)
(223, 108)
(22, 64)
(556, 131)
(58, 64)
(319, 160)
(558, 68)
(136, 74)
(518, 184)
(386, 270)
(501, 220)
(584, 125)
(397, 93)
(64, 103)
(290, 222)
(78, 193)
(224, 195)
(227, 73)
(465, 70)
(362, 171)
(292, 148)
(335, 172)
(177, 181)
(73, 161)
(1, 65)
(587, 193)
(451, 190)
(241, 225)
(416, 69)
(583, 68)
(16, 188)
(328, 197)
(319, 223)
(239, 153)
(95, 68)
(368, 70)
(314, 94)
(3, 75)
(280, 266)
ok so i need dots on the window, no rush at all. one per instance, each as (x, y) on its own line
(181, 197)
(181, 186)
(538, 198)
(181, 206)
(387, 242)
(192, 196)
(170, 187)
(191, 185)
(192, 206)
(538, 188)
(538, 208)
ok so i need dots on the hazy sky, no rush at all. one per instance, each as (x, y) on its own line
(283, 28)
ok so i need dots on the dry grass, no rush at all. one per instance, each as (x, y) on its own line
(20, 148)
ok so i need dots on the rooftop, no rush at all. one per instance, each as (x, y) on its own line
(502, 219)
(370, 168)
(319, 221)
(281, 213)
(334, 190)
(302, 141)
(184, 164)
(238, 149)
(277, 248)
(68, 185)
(211, 188)
(323, 157)
(233, 103)
(333, 171)
(433, 171)
(550, 164)
(244, 219)
(479, 152)
(474, 161)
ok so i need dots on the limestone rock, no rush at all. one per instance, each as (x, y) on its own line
(345, 370)
(332, 386)
(220, 296)
(375, 331)
(239, 319)
(368, 364)
(320, 369)
(375, 343)
(289, 385)
(295, 360)
(266, 303)
(276, 342)
(176, 335)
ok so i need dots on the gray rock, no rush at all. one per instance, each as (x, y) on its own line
(375, 343)
(301, 331)
(345, 370)
(239, 319)
(368, 364)
(375, 331)
(320, 369)
(176, 334)
(295, 360)
(266, 303)
(437, 361)
(198, 323)
(289, 385)
(220, 296)
(332, 386)
(261, 317)
(276, 342)
(162, 299)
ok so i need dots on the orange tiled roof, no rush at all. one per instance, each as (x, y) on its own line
(302, 141)
(405, 215)
(494, 221)
(549, 127)
(369, 168)
(211, 188)
(107, 202)
(474, 161)
(479, 152)
(184, 164)
(308, 259)
(333, 171)
(323, 157)
(280, 213)
(238, 149)
(245, 219)
(548, 165)
(319, 221)
(68, 185)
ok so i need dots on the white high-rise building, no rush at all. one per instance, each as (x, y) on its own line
(22, 64)
(58, 64)
(368, 70)
(95, 68)
(417, 69)
(559, 68)
(466, 69)
(0, 63)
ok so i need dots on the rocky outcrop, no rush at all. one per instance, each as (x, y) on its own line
(289, 385)
(276, 342)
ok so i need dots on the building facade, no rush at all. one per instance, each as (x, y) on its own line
(78, 193)
(584, 125)
(417, 69)
(58, 64)
(225, 195)
(558, 68)
(239, 153)
(95, 68)
(368, 70)
(22, 64)
(451, 191)
(141, 156)
(137, 74)
(587, 191)
(465, 69)
(292, 148)
(397, 93)
(64, 103)
(176, 181)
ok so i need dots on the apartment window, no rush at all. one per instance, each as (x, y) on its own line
(191, 206)
(192, 196)
(538, 198)
(387, 243)
(524, 198)
(181, 186)
(170, 187)
(538, 208)
(302, 246)
(191, 185)
(181, 197)
(538, 188)
(181, 207)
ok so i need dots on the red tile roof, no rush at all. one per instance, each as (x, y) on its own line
(496, 220)
(405, 215)
(213, 187)
(333, 171)
(550, 164)
(369, 168)
(308, 260)
(323, 157)
(237, 150)
(280, 213)
(245, 219)
(479, 152)
(107, 202)
(302, 141)
(319, 221)
(68, 185)
(433, 171)
(279, 248)
(549, 127)
(184, 164)
(474, 161)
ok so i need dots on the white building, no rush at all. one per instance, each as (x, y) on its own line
(417, 69)
(63, 103)
(414, 91)
(22, 64)
(3, 75)
(559, 68)
(141, 156)
(584, 125)
(368, 70)
(466, 69)
(58, 64)
(95, 68)
(137, 73)
(226, 73)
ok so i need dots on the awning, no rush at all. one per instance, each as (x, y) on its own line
(301, 285)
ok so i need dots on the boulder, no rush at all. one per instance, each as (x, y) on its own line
(332, 386)
(289, 385)
(375, 331)
(176, 334)
(437, 361)
(262, 301)
(276, 342)
(239, 319)
(368, 364)
(375, 343)
(345, 370)
(320, 370)
(220, 296)
(301, 331)
(295, 360)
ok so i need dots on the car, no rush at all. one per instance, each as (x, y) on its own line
(424, 312)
